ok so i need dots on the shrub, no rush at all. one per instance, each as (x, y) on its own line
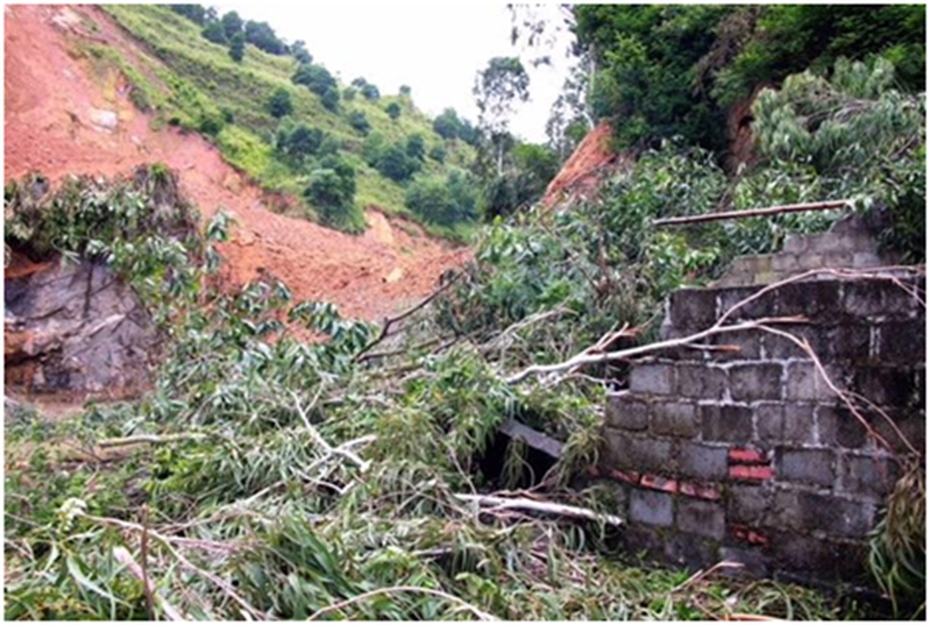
(416, 147)
(296, 143)
(332, 191)
(279, 104)
(330, 99)
(237, 47)
(315, 77)
(393, 110)
(214, 32)
(263, 37)
(443, 201)
(437, 153)
(359, 121)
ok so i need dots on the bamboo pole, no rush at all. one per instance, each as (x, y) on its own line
(755, 212)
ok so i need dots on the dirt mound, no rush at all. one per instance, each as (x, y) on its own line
(63, 116)
(585, 168)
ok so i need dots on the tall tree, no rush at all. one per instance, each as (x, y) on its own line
(503, 82)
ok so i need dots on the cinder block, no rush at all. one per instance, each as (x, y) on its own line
(816, 299)
(627, 411)
(805, 383)
(785, 423)
(837, 427)
(692, 310)
(702, 461)
(866, 260)
(704, 518)
(836, 516)
(887, 386)
(748, 504)
(701, 381)
(622, 450)
(754, 561)
(651, 507)
(786, 263)
(673, 419)
(808, 558)
(732, 424)
(653, 378)
(796, 243)
(756, 381)
(810, 466)
(867, 475)
(747, 344)
(903, 342)
(863, 298)
(852, 343)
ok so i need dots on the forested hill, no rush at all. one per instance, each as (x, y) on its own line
(677, 70)
(276, 113)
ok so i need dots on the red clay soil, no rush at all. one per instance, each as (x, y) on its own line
(583, 171)
(60, 120)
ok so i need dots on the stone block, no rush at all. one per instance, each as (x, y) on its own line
(748, 504)
(702, 461)
(897, 302)
(653, 378)
(704, 518)
(627, 411)
(785, 423)
(784, 512)
(805, 383)
(756, 381)
(701, 381)
(625, 451)
(837, 427)
(673, 419)
(837, 259)
(903, 342)
(692, 310)
(809, 466)
(651, 507)
(867, 475)
(726, 423)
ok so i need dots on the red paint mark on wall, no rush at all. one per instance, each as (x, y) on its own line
(751, 472)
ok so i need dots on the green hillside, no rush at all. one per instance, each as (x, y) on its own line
(193, 83)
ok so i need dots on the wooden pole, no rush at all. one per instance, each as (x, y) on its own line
(755, 212)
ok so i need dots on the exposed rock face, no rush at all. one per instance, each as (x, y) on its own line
(75, 329)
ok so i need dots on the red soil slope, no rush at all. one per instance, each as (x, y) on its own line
(583, 171)
(62, 117)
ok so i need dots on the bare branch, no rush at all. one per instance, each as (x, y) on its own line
(493, 504)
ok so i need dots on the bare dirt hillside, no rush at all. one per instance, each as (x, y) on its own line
(63, 117)
(582, 173)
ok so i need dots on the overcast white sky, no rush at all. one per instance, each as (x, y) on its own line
(435, 48)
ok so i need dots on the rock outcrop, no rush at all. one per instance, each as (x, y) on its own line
(75, 329)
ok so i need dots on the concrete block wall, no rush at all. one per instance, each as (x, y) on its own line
(747, 455)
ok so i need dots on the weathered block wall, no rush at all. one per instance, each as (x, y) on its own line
(748, 455)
